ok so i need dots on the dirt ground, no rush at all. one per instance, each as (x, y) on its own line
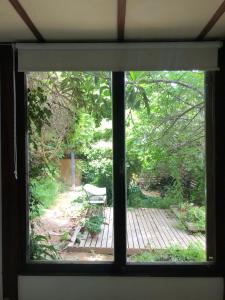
(83, 256)
(151, 193)
(61, 218)
(58, 223)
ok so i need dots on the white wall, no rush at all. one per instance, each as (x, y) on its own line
(119, 288)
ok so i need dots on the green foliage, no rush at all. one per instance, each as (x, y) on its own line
(39, 110)
(164, 132)
(194, 253)
(43, 193)
(34, 201)
(158, 202)
(164, 138)
(41, 170)
(81, 199)
(196, 215)
(65, 237)
(39, 114)
(41, 249)
(93, 224)
(173, 196)
(88, 91)
(165, 128)
(135, 198)
(98, 170)
(81, 133)
(193, 214)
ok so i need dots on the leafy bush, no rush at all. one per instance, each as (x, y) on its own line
(43, 193)
(194, 253)
(98, 170)
(41, 249)
(34, 201)
(93, 224)
(193, 214)
(135, 198)
(65, 237)
(158, 202)
(81, 199)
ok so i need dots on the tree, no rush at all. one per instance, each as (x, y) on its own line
(165, 125)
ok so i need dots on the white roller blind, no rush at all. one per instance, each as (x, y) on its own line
(118, 56)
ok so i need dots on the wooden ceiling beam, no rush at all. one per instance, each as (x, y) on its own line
(27, 20)
(214, 19)
(121, 15)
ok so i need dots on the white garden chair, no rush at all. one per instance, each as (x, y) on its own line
(95, 194)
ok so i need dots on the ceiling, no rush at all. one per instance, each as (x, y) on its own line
(111, 20)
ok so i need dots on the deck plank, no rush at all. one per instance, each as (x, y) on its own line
(158, 236)
(161, 227)
(155, 244)
(142, 228)
(184, 237)
(171, 233)
(147, 228)
(139, 230)
(106, 229)
(110, 232)
(152, 243)
(130, 243)
(179, 233)
(133, 230)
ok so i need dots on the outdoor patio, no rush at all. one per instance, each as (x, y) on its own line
(147, 228)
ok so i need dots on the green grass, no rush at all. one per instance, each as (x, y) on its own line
(46, 191)
(138, 199)
(194, 253)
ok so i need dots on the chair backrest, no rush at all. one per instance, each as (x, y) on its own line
(93, 190)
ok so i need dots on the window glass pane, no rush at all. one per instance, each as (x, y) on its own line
(165, 156)
(70, 166)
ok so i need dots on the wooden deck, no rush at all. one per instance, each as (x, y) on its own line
(147, 228)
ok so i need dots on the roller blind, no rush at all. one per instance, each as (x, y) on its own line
(118, 56)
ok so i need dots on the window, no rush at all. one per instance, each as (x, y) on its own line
(70, 166)
(120, 264)
(165, 155)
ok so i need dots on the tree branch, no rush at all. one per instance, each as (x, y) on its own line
(166, 81)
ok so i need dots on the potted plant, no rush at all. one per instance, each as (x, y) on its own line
(93, 225)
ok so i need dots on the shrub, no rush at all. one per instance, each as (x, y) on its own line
(193, 214)
(194, 253)
(81, 199)
(98, 170)
(135, 198)
(93, 224)
(158, 202)
(42, 194)
(34, 201)
(41, 249)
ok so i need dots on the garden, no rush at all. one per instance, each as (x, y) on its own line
(70, 148)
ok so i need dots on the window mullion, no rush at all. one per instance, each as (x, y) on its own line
(119, 182)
